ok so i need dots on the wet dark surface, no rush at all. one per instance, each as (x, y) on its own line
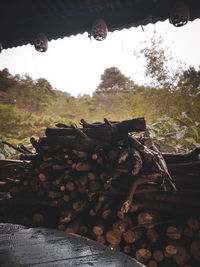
(20, 246)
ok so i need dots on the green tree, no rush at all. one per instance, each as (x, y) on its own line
(189, 81)
(6, 80)
(159, 63)
(113, 81)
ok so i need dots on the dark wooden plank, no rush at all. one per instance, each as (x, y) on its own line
(20, 246)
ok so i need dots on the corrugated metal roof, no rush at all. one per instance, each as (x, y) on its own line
(22, 20)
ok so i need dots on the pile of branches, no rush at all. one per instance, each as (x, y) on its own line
(102, 182)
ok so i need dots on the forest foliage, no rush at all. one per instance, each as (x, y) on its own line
(170, 103)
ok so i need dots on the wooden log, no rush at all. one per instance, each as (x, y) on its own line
(138, 181)
(102, 132)
(29, 157)
(46, 185)
(83, 230)
(167, 179)
(143, 255)
(170, 197)
(74, 194)
(132, 235)
(147, 217)
(45, 165)
(38, 219)
(66, 198)
(71, 142)
(158, 255)
(193, 224)
(168, 263)
(182, 158)
(67, 216)
(123, 156)
(98, 228)
(113, 238)
(171, 249)
(174, 232)
(54, 194)
(165, 207)
(95, 185)
(43, 177)
(72, 227)
(83, 167)
(188, 233)
(152, 263)
(106, 214)
(195, 249)
(79, 205)
(189, 168)
(101, 239)
(182, 256)
(152, 235)
(80, 154)
(120, 226)
(91, 176)
(70, 186)
(26, 221)
(61, 227)
(95, 209)
(137, 166)
(127, 249)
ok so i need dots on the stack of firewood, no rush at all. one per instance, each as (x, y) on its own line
(101, 182)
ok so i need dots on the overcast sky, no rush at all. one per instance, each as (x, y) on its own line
(75, 64)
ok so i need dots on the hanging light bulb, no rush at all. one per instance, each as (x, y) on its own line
(99, 30)
(41, 42)
(1, 47)
(179, 14)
